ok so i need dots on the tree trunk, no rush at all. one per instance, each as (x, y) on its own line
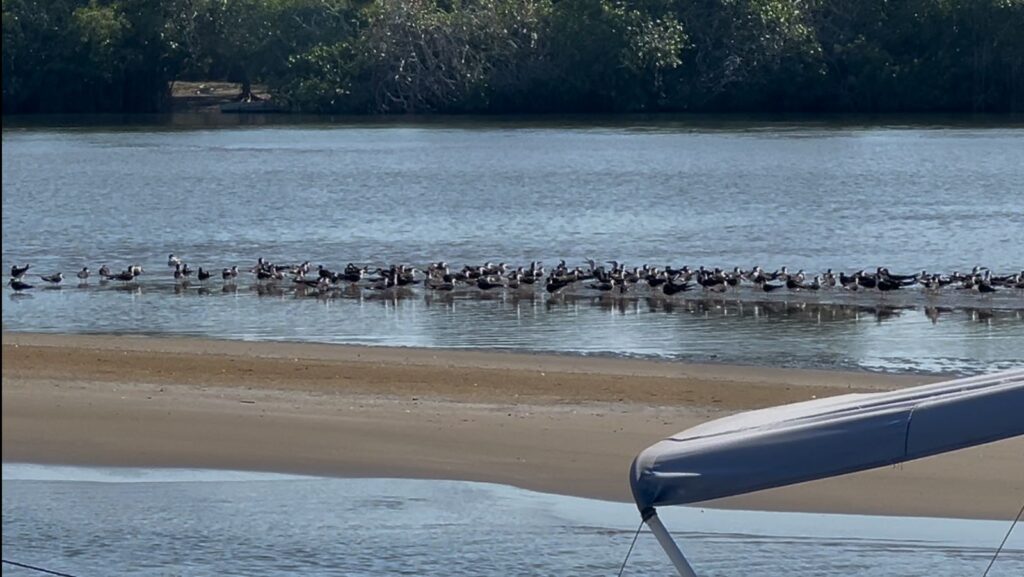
(246, 95)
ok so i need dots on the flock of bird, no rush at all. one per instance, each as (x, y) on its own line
(615, 277)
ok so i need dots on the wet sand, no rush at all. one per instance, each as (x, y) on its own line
(560, 424)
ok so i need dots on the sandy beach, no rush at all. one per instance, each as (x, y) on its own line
(560, 424)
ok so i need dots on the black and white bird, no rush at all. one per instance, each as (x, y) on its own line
(439, 284)
(886, 285)
(984, 287)
(269, 275)
(555, 284)
(489, 282)
(203, 274)
(125, 276)
(53, 279)
(671, 287)
(229, 273)
(83, 275)
(173, 261)
(17, 285)
(19, 271)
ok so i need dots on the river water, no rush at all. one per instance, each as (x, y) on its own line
(805, 195)
(158, 523)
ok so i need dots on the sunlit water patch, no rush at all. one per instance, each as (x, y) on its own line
(810, 196)
(790, 333)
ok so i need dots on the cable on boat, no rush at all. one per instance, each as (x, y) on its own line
(1003, 544)
(39, 569)
(631, 545)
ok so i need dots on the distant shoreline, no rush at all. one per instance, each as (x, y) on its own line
(207, 108)
(567, 425)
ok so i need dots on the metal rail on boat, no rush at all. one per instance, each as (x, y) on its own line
(822, 438)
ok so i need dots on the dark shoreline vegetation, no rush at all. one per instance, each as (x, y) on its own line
(520, 56)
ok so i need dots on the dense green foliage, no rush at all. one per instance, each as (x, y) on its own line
(398, 56)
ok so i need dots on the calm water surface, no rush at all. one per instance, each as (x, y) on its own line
(138, 522)
(808, 196)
